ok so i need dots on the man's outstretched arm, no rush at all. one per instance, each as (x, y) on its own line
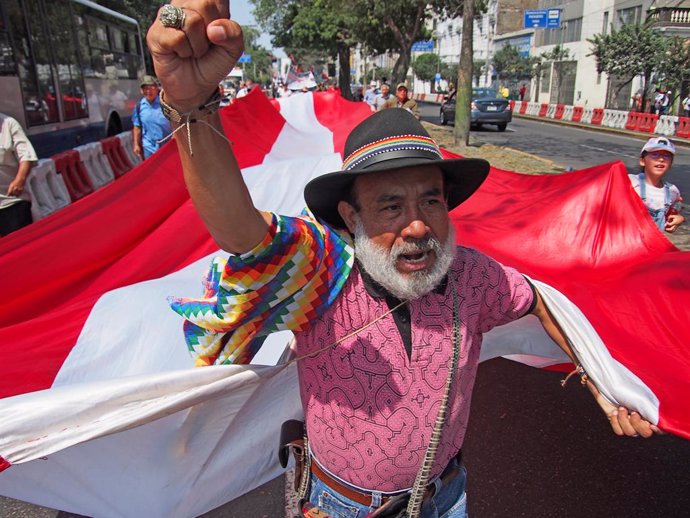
(623, 422)
(190, 63)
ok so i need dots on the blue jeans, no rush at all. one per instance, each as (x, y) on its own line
(449, 501)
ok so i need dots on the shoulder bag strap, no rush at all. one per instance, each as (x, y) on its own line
(414, 505)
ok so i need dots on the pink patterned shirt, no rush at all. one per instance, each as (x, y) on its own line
(370, 410)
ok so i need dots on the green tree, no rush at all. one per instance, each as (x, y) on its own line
(631, 51)
(312, 27)
(378, 73)
(260, 69)
(335, 27)
(425, 66)
(393, 26)
(674, 68)
(557, 55)
(509, 64)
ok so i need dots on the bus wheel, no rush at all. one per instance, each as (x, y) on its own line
(114, 127)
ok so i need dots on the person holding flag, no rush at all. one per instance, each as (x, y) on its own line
(388, 312)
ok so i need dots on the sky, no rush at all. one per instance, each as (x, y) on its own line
(241, 12)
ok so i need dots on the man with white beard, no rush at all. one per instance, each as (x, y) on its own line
(388, 326)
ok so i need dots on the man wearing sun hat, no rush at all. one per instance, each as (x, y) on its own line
(149, 125)
(388, 312)
(402, 100)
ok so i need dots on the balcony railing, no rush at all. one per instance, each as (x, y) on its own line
(678, 17)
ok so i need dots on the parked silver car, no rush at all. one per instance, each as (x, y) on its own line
(488, 107)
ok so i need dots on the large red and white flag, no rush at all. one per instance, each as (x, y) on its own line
(102, 412)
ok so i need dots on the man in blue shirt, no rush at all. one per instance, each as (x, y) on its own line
(150, 125)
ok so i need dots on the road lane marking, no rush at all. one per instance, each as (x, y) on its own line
(607, 151)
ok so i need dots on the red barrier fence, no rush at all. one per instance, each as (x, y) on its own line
(597, 116)
(73, 173)
(512, 105)
(648, 122)
(560, 108)
(577, 113)
(633, 121)
(112, 149)
(683, 130)
(523, 107)
(543, 110)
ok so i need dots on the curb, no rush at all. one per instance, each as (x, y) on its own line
(604, 129)
(679, 141)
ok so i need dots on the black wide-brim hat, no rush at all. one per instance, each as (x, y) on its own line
(391, 139)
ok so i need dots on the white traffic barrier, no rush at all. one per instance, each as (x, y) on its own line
(127, 144)
(587, 115)
(96, 164)
(533, 109)
(666, 125)
(607, 120)
(568, 113)
(617, 118)
(551, 111)
(621, 119)
(47, 189)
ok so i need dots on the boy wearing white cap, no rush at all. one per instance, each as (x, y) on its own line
(661, 198)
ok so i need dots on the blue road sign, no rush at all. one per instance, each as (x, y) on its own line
(542, 19)
(553, 18)
(245, 58)
(423, 46)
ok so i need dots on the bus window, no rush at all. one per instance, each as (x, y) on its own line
(64, 46)
(33, 63)
(7, 65)
(99, 48)
(117, 39)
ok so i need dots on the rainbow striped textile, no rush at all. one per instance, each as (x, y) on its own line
(389, 144)
(286, 281)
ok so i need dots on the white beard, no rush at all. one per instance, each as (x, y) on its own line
(380, 263)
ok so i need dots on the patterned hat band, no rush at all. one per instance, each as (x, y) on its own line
(402, 146)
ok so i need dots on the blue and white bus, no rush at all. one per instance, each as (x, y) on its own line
(69, 70)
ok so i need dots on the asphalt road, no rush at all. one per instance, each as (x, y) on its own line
(573, 147)
(533, 448)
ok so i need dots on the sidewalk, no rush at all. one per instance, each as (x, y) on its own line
(678, 141)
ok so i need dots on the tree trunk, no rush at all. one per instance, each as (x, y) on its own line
(344, 73)
(463, 98)
(402, 65)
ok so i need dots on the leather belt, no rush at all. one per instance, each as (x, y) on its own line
(364, 498)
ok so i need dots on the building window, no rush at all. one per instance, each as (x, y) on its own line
(572, 30)
(631, 15)
(605, 27)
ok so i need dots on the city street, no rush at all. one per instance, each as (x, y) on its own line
(534, 448)
(572, 147)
